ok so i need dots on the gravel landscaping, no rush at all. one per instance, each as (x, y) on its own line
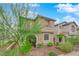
(44, 51)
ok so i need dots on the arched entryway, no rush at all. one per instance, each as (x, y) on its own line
(32, 40)
(60, 37)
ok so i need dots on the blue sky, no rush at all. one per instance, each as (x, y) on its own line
(58, 11)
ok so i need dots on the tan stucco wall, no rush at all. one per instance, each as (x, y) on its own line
(42, 22)
(51, 23)
(66, 30)
(70, 29)
(78, 32)
(41, 38)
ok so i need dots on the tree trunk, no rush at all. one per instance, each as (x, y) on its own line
(11, 46)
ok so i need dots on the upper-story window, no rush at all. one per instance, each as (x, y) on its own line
(73, 29)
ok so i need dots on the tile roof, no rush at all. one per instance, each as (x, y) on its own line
(47, 18)
(66, 23)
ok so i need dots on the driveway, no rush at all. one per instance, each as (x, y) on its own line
(74, 53)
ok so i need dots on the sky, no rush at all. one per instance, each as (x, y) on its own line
(58, 11)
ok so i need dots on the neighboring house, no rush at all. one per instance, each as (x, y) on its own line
(50, 30)
(78, 31)
(67, 28)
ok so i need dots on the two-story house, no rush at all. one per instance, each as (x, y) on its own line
(50, 30)
(47, 31)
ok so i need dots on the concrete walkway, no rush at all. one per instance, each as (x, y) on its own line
(74, 53)
(44, 51)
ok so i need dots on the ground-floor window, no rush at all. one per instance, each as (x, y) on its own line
(46, 36)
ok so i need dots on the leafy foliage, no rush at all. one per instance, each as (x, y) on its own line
(25, 48)
(60, 36)
(50, 44)
(73, 39)
(40, 45)
(18, 30)
(66, 46)
(11, 52)
(52, 54)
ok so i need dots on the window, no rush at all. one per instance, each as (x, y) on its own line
(46, 37)
(73, 29)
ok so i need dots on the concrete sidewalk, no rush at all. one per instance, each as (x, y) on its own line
(74, 53)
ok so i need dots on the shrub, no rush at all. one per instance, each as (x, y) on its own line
(77, 40)
(57, 43)
(60, 36)
(50, 44)
(74, 40)
(66, 46)
(52, 54)
(40, 45)
(26, 47)
(23, 50)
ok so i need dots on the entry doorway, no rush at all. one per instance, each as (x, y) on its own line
(32, 40)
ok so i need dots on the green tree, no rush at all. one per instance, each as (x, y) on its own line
(18, 31)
